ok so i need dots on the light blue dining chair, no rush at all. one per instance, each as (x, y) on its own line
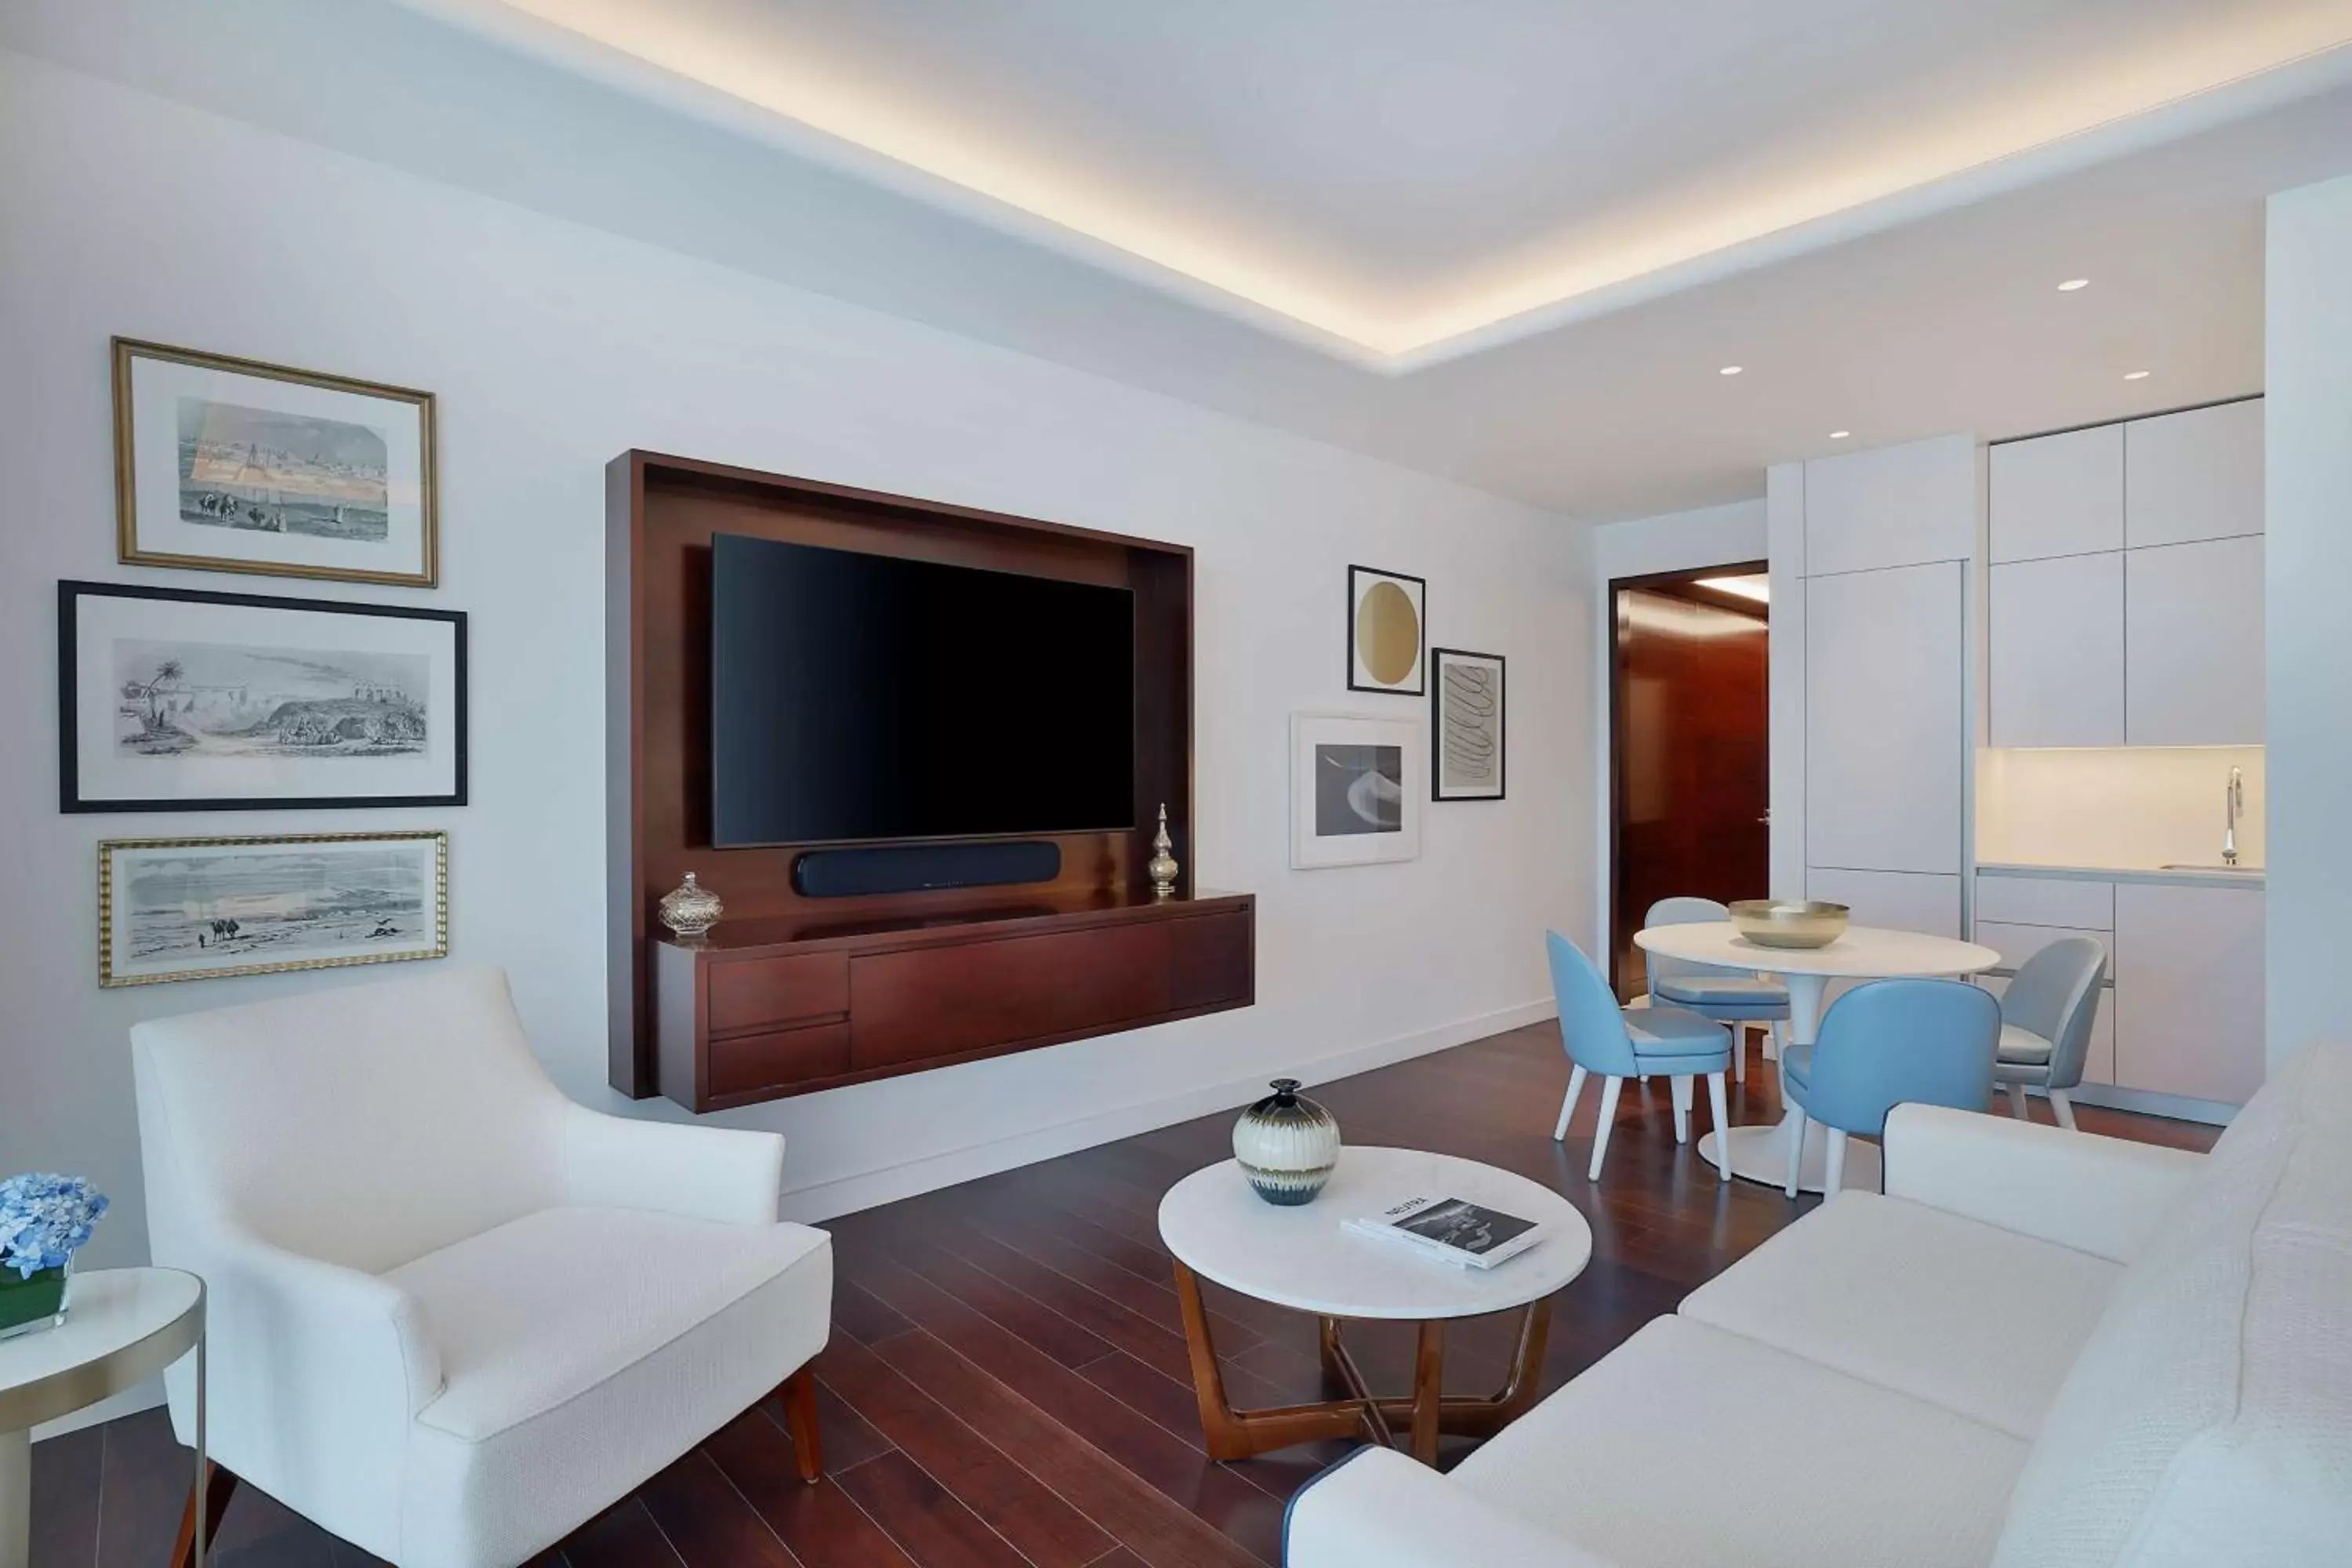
(1735, 997)
(1889, 1043)
(2046, 1018)
(1617, 1043)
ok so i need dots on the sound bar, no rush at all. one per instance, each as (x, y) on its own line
(914, 867)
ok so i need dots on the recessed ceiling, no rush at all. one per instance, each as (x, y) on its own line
(1399, 181)
(1948, 320)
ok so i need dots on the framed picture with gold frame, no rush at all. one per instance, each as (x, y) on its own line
(203, 908)
(1387, 621)
(231, 465)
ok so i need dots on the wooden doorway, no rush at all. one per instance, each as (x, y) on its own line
(1689, 746)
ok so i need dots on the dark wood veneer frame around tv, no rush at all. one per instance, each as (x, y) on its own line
(661, 512)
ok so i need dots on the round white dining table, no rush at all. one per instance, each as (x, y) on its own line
(1864, 952)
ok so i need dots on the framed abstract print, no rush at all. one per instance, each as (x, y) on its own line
(1386, 631)
(1466, 732)
(1356, 789)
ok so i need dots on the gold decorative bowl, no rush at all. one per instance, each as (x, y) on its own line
(1773, 922)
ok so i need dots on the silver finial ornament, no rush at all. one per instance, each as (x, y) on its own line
(691, 909)
(1161, 868)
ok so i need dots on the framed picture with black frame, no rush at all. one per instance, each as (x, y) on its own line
(1387, 619)
(1466, 725)
(177, 699)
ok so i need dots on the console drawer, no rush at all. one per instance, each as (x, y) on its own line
(761, 993)
(743, 1064)
(940, 1001)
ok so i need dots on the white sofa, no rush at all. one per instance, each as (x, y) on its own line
(452, 1314)
(2038, 1348)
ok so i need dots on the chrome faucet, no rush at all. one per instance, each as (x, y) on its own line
(2233, 801)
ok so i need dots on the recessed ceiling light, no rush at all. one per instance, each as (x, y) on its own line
(1729, 370)
(2134, 375)
(1840, 434)
(2072, 284)
(1756, 585)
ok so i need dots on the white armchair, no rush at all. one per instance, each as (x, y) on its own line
(453, 1315)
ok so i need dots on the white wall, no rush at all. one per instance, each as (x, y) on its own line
(2308, 438)
(1728, 535)
(553, 346)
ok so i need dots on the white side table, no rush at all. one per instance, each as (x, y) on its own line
(1864, 953)
(123, 1326)
(1301, 1257)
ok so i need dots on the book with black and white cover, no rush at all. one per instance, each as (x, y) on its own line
(1472, 1235)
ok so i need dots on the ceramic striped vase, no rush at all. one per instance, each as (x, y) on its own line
(1286, 1145)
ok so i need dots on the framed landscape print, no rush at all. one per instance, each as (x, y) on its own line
(230, 465)
(197, 909)
(1385, 631)
(172, 700)
(1466, 758)
(1356, 789)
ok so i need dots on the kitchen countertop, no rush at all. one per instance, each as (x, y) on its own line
(2216, 876)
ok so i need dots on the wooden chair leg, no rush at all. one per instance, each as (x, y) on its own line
(800, 1417)
(217, 1484)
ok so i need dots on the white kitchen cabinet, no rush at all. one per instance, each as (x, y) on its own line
(2188, 990)
(1885, 737)
(1895, 506)
(1897, 901)
(2193, 644)
(2046, 901)
(2058, 495)
(2057, 651)
(2018, 943)
(2194, 475)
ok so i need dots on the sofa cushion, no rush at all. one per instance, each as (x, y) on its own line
(1981, 1321)
(584, 1350)
(2208, 1418)
(1687, 1445)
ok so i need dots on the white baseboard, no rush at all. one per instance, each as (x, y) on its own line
(847, 1194)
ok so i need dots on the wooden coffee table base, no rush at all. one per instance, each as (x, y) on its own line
(1424, 1415)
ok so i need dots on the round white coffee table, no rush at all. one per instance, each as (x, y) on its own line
(123, 1326)
(1864, 952)
(1302, 1257)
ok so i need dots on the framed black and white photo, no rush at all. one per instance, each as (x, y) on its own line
(173, 699)
(1387, 613)
(230, 465)
(1466, 732)
(197, 909)
(1356, 789)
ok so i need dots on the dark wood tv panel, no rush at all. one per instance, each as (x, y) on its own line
(792, 993)
(784, 1007)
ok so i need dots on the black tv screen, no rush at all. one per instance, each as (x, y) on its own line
(861, 697)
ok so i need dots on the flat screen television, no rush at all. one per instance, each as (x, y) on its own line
(859, 697)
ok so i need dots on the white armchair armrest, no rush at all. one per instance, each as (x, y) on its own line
(1379, 1509)
(317, 1372)
(703, 1172)
(2100, 1195)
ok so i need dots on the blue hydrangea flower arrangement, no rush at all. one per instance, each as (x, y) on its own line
(44, 1221)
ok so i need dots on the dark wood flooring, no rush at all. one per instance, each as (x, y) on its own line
(1006, 1383)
